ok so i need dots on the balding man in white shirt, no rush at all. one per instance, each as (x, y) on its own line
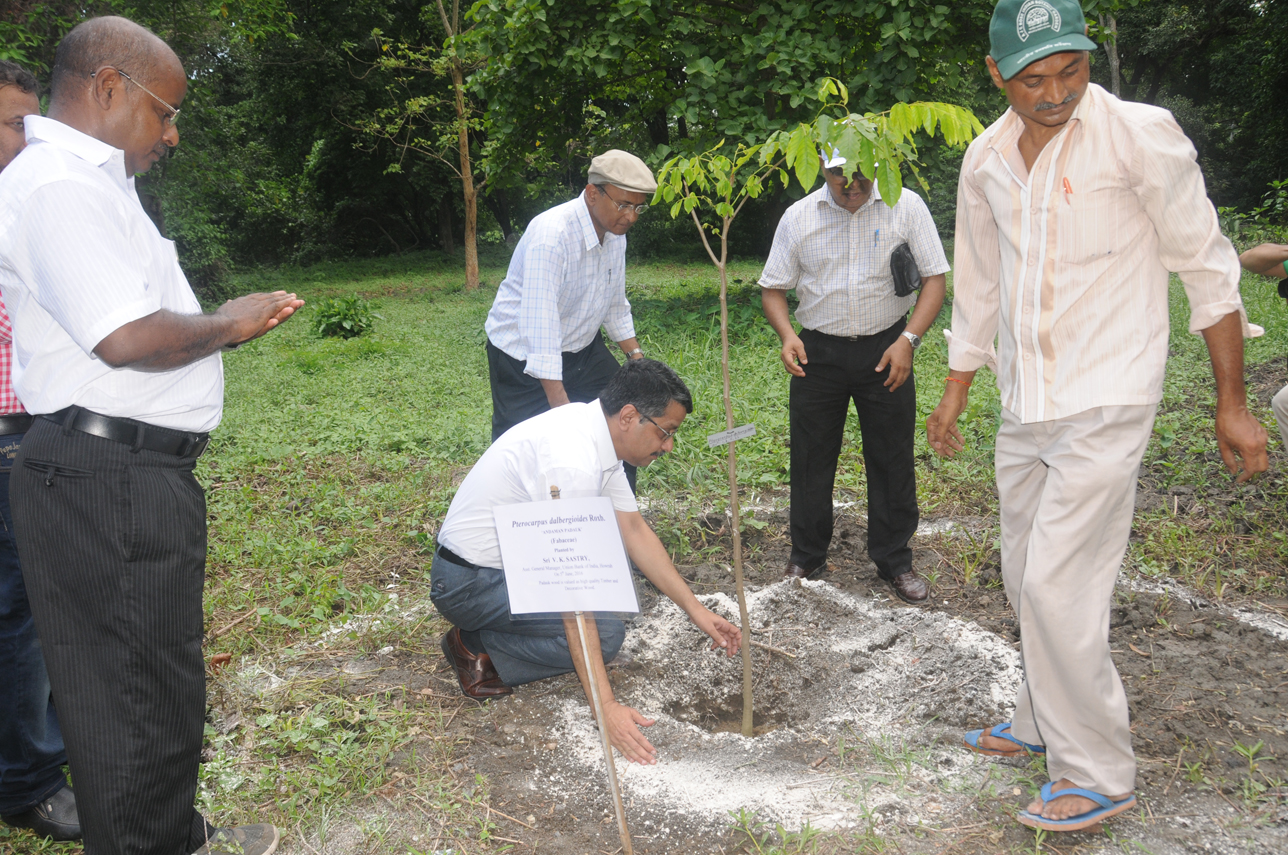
(1071, 210)
(122, 370)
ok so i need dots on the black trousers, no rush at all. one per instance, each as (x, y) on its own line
(840, 371)
(517, 397)
(113, 549)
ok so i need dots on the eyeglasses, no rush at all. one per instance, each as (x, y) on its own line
(174, 111)
(666, 434)
(621, 207)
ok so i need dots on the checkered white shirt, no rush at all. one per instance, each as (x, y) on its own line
(9, 402)
(839, 263)
(562, 286)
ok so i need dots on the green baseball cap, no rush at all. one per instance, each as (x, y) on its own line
(1024, 31)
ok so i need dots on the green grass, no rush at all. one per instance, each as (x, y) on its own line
(336, 460)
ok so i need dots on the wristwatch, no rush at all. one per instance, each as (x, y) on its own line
(631, 353)
(913, 339)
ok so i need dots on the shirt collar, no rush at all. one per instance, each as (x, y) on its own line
(608, 458)
(87, 148)
(1011, 125)
(825, 198)
(590, 237)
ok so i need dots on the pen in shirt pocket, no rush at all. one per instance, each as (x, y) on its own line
(876, 237)
(1068, 192)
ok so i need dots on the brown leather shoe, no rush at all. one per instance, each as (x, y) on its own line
(910, 587)
(474, 671)
(795, 571)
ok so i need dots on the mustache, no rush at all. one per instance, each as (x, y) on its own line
(1047, 105)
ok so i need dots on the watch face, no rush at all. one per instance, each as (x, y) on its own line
(914, 339)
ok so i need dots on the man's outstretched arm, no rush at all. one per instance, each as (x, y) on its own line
(165, 340)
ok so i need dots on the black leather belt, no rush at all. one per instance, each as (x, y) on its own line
(15, 423)
(448, 555)
(137, 435)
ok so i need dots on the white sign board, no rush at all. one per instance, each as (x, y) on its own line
(727, 436)
(564, 556)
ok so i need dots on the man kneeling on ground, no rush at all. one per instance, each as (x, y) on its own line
(580, 449)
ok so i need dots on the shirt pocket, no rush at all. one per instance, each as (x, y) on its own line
(1086, 226)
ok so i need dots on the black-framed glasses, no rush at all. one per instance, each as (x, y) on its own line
(621, 207)
(174, 111)
(666, 434)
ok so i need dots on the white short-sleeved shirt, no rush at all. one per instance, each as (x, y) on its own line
(79, 258)
(562, 286)
(569, 447)
(839, 262)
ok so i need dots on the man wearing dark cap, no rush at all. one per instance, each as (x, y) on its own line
(1072, 208)
(567, 279)
(121, 368)
(33, 788)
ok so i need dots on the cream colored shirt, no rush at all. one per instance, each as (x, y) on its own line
(1066, 265)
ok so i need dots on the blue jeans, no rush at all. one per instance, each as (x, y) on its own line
(31, 745)
(521, 650)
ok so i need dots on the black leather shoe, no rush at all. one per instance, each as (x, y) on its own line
(910, 587)
(259, 839)
(795, 571)
(55, 817)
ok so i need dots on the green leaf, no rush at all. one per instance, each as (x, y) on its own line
(889, 182)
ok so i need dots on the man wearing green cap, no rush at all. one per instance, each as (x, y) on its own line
(1072, 208)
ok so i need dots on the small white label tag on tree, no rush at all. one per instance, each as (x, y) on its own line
(564, 556)
(727, 436)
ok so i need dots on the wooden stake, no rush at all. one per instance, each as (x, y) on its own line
(603, 738)
(603, 725)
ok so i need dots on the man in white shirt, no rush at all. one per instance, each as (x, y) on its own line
(580, 448)
(1071, 210)
(834, 248)
(122, 371)
(567, 278)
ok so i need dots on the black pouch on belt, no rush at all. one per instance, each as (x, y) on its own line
(903, 267)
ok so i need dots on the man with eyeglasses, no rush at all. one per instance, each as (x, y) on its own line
(834, 248)
(567, 279)
(581, 449)
(121, 369)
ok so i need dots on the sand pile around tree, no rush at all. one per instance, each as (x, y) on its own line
(861, 671)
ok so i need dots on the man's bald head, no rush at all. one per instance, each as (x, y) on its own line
(109, 41)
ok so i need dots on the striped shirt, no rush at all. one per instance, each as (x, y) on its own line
(79, 259)
(9, 402)
(1066, 265)
(839, 263)
(562, 286)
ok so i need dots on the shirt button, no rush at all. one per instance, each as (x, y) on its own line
(1033, 261)
(1034, 211)
(1028, 310)
(1028, 356)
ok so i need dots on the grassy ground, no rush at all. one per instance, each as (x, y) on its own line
(336, 460)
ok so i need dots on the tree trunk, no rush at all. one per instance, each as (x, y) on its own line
(734, 508)
(1109, 23)
(467, 180)
(445, 238)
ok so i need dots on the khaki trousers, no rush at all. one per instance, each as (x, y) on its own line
(1067, 489)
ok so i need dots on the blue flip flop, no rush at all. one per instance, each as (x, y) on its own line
(972, 742)
(1108, 807)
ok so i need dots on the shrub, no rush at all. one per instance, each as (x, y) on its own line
(345, 317)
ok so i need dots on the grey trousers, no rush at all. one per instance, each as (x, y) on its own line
(1068, 490)
(522, 651)
(1280, 405)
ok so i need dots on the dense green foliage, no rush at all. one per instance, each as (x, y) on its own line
(344, 317)
(282, 158)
